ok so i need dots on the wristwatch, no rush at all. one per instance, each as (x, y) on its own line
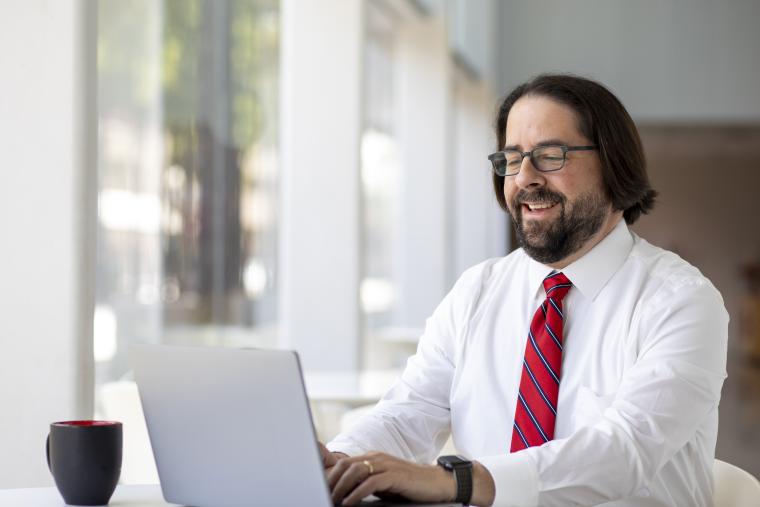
(462, 470)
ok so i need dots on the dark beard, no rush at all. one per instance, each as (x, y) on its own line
(549, 243)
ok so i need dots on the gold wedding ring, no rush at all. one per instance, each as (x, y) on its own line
(369, 465)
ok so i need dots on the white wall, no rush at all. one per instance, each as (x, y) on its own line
(423, 87)
(319, 190)
(479, 226)
(47, 216)
(667, 60)
(473, 25)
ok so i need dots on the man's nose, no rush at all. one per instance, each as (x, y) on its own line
(529, 175)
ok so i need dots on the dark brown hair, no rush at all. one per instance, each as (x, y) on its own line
(606, 123)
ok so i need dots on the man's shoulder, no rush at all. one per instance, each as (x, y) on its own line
(665, 271)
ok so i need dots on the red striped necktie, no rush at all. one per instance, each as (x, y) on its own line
(536, 410)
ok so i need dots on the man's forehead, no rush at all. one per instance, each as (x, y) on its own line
(541, 120)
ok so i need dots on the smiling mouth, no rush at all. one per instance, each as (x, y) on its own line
(538, 206)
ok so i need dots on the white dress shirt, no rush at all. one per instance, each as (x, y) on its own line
(643, 364)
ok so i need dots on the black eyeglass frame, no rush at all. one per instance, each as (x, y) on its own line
(493, 156)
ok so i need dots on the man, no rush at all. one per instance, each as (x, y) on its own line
(585, 367)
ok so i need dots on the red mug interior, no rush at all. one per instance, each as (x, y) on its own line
(86, 423)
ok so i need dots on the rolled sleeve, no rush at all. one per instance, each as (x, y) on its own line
(347, 448)
(515, 477)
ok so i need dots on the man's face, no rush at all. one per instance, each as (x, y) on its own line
(556, 214)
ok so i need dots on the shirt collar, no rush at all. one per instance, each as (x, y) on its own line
(592, 271)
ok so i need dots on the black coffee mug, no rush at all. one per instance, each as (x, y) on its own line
(85, 460)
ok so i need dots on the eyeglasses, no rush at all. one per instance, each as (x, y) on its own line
(544, 158)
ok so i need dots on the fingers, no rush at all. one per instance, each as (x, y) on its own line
(341, 484)
(335, 472)
(352, 479)
(339, 469)
(347, 474)
(369, 486)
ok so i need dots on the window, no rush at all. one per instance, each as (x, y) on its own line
(188, 174)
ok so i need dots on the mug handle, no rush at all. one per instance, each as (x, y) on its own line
(47, 451)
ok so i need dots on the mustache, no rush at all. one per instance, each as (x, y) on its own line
(542, 195)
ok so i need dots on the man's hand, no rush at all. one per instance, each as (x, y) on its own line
(329, 459)
(352, 479)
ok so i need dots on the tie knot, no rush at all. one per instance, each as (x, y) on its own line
(556, 286)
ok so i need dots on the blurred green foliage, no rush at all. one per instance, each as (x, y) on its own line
(127, 63)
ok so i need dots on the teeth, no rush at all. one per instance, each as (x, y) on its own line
(539, 206)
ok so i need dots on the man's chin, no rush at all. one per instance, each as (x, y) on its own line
(535, 238)
(535, 233)
(537, 245)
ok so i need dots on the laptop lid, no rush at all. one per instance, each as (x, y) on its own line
(229, 427)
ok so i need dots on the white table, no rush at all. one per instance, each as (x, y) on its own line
(124, 496)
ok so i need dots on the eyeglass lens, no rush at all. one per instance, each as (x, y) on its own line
(544, 158)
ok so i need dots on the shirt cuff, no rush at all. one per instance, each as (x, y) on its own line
(346, 448)
(516, 479)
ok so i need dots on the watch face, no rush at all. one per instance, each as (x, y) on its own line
(452, 461)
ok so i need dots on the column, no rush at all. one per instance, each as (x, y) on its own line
(47, 215)
(319, 213)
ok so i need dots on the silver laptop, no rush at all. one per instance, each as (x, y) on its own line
(231, 427)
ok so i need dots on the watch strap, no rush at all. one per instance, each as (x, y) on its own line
(463, 476)
(462, 470)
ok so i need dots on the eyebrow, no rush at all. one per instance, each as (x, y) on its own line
(546, 142)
